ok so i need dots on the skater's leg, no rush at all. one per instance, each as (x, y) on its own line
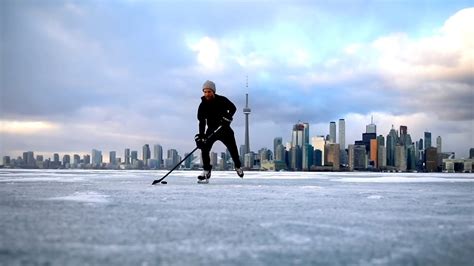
(229, 141)
(205, 151)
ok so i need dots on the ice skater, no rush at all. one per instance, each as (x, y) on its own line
(214, 111)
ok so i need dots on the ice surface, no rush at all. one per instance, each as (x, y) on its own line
(77, 217)
(87, 196)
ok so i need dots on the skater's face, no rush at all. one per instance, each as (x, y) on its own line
(208, 94)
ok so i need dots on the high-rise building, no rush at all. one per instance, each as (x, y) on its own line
(6, 160)
(332, 156)
(29, 159)
(133, 156)
(214, 159)
(96, 158)
(332, 132)
(276, 141)
(392, 140)
(439, 145)
(242, 152)
(280, 153)
(264, 154)
(296, 160)
(173, 158)
(342, 134)
(357, 157)
(431, 161)
(127, 156)
(403, 139)
(247, 113)
(297, 135)
(66, 161)
(249, 160)
(403, 130)
(113, 158)
(382, 157)
(87, 159)
(371, 128)
(308, 153)
(158, 155)
(305, 133)
(471, 153)
(366, 137)
(76, 159)
(319, 144)
(374, 152)
(411, 157)
(427, 140)
(146, 154)
(400, 158)
(56, 158)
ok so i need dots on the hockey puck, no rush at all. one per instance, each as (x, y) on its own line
(164, 182)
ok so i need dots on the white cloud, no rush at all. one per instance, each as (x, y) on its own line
(208, 53)
(447, 55)
(27, 127)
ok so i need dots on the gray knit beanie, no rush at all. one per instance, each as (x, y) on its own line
(209, 85)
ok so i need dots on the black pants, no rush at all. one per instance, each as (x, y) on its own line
(226, 136)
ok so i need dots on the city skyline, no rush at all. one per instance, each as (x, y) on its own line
(158, 151)
(109, 75)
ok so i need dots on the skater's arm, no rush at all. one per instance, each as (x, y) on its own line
(202, 120)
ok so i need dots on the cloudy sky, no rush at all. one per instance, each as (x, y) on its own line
(110, 75)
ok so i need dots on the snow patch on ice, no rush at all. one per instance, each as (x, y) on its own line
(42, 179)
(401, 179)
(86, 196)
(374, 197)
(311, 187)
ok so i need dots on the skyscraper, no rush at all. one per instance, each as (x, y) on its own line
(133, 156)
(96, 158)
(297, 135)
(371, 128)
(333, 156)
(427, 140)
(158, 155)
(392, 140)
(332, 132)
(357, 157)
(113, 157)
(146, 154)
(342, 134)
(319, 144)
(374, 152)
(308, 154)
(400, 158)
(305, 133)
(276, 141)
(173, 158)
(280, 152)
(403, 130)
(127, 156)
(247, 113)
(438, 144)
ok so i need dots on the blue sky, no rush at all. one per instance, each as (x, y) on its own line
(110, 75)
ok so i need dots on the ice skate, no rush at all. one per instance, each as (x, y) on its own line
(203, 178)
(240, 172)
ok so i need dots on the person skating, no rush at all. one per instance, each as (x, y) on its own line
(214, 111)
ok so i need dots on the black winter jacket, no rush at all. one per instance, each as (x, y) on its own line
(212, 112)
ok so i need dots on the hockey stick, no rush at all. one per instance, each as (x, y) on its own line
(156, 181)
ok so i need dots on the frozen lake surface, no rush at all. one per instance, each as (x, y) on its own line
(78, 217)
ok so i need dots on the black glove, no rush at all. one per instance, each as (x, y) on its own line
(225, 121)
(200, 140)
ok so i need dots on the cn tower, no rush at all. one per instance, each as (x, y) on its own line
(247, 112)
